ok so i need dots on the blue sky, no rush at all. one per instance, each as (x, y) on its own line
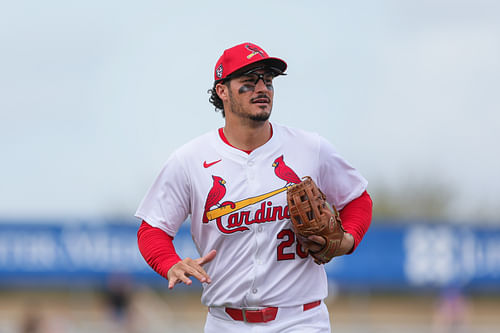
(96, 96)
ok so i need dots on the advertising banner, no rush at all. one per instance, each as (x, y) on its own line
(390, 256)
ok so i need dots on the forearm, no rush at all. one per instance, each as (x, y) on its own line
(356, 217)
(157, 248)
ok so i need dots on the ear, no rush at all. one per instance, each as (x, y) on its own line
(222, 91)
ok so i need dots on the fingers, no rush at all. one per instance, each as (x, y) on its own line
(181, 271)
(317, 239)
(312, 243)
(206, 258)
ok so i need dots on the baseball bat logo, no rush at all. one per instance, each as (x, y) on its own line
(236, 217)
(254, 51)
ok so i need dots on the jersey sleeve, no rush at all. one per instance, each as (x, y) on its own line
(340, 181)
(166, 205)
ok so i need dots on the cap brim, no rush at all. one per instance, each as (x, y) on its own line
(268, 62)
(271, 62)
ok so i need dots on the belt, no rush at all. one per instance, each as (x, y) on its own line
(261, 315)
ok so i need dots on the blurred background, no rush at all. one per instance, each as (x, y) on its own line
(94, 97)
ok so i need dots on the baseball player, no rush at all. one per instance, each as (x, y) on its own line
(232, 182)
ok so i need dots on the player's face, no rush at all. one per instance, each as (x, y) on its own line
(251, 95)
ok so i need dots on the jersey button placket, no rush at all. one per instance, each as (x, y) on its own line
(250, 170)
(260, 240)
(258, 272)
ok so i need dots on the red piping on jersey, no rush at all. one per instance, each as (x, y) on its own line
(223, 137)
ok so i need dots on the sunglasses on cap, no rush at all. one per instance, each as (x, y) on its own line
(269, 74)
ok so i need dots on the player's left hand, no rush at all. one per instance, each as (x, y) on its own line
(312, 243)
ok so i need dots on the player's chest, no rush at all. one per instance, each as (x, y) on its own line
(242, 177)
(238, 194)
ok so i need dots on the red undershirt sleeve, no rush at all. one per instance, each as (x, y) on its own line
(157, 248)
(356, 217)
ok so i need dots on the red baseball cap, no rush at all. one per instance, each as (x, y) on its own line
(242, 55)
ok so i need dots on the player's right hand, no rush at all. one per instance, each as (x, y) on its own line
(181, 271)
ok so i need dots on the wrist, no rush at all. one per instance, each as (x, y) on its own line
(347, 244)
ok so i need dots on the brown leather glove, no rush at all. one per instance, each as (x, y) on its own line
(312, 215)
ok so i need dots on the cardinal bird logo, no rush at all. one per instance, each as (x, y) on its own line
(230, 217)
(215, 195)
(284, 172)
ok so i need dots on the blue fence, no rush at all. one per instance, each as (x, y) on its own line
(390, 256)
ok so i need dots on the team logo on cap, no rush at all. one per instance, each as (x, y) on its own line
(218, 71)
(254, 51)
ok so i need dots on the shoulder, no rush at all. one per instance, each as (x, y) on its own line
(182, 156)
(294, 132)
(197, 145)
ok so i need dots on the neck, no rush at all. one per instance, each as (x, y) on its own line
(247, 137)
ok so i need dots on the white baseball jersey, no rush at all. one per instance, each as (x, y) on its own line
(237, 204)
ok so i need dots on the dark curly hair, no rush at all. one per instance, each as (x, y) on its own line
(215, 99)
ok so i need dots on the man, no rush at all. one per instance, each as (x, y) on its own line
(232, 182)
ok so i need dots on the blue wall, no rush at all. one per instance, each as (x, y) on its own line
(390, 256)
